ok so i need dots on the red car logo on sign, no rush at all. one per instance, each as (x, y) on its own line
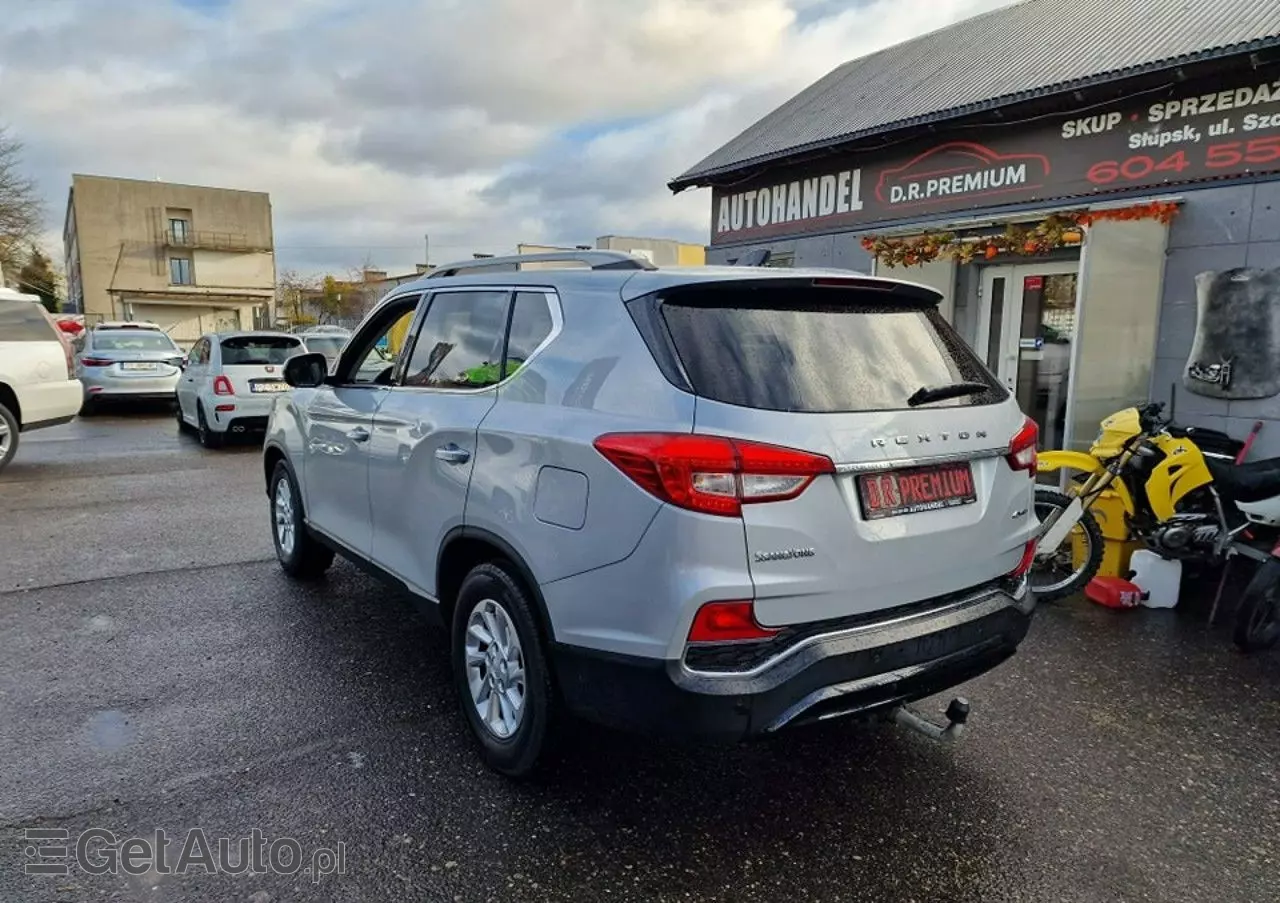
(960, 169)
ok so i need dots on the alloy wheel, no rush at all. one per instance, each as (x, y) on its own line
(283, 507)
(495, 669)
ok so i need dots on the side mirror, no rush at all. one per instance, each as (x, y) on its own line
(306, 371)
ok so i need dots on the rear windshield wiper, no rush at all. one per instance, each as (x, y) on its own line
(928, 394)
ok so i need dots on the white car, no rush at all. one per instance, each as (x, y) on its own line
(37, 385)
(230, 382)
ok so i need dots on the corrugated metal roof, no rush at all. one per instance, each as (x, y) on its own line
(1031, 49)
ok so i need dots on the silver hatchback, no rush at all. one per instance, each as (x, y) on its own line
(711, 501)
(127, 361)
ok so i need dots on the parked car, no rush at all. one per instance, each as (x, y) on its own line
(37, 383)
(328, 340)
(715, 501)
(229, 382)
(127, 361)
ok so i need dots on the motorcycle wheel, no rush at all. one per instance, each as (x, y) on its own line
(1057, 576)
(1258, 618)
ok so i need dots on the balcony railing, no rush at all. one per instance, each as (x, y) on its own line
(212, 241)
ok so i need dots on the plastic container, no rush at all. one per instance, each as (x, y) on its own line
(1114, 592)
(1158, 577)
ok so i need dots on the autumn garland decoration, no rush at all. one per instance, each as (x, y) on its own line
(1059, 230)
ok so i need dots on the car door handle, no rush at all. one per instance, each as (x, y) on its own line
(453, 454)
(359, 434)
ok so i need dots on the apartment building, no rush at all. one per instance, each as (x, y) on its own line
(189, 258)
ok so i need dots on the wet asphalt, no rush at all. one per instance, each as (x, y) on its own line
(158, 671)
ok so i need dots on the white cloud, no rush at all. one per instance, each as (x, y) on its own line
(482, 122)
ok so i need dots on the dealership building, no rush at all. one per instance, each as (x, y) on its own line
(1093, 187)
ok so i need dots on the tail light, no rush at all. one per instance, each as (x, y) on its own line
(1026, 561)
(96, 362)
(68, 353)
(724, 622)
(711, 474)
(1022, 448)
(222, 386)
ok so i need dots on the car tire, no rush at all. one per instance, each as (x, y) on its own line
(496, 601)
(208, 438)
(8, 436)
(88, 408)
(182, 423)
(300, 555)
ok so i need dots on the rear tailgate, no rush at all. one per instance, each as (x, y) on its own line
(923, 501)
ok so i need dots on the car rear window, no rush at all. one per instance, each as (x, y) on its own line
(259, 350)
(25, 321)
(819, 350)
(131, 340)
(328, 345)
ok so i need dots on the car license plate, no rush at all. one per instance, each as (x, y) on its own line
(137, 365)
(275, 385)
(916, 489)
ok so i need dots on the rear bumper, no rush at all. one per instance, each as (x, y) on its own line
(49, 403)
(249, 415)
(855, 670)
(245, 425)
(135, 387)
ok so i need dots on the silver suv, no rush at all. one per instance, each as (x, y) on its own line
(711, 501)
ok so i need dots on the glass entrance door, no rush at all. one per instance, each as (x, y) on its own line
(1025, 330)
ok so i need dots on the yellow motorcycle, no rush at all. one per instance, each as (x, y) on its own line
(1180, 503)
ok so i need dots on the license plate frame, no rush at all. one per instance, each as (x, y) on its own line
(914, 490)
(268, 386)
(139, 366)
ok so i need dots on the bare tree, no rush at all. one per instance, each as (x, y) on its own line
(21, 213)
(293, 292)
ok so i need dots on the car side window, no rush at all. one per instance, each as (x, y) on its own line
(25, 321)
(531, 323)
(371, 355)
(460, 343)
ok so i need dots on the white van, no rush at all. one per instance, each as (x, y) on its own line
(37, 385)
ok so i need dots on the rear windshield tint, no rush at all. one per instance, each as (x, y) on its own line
(819, 350)
(328, 345)
(25, 321)
(258, 350)
(131, 340)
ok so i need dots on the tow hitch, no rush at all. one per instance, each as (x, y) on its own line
(957, 715)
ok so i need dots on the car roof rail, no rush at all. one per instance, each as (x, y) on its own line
(596, 260)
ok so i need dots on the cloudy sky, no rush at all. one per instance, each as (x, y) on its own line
(373, 122)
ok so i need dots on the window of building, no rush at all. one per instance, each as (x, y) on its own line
(179, 225)
(784, 260)
(460, 343)
(180, 271)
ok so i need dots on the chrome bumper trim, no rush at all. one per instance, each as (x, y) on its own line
(794, 659)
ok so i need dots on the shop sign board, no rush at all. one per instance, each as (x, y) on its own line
(1153, 142)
